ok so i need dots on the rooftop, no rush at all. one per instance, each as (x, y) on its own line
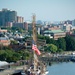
(53, 31)
(2, 37)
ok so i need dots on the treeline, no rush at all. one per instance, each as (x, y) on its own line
(13, 56)
(62, 44)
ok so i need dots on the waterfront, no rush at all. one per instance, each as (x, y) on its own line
(65, 68)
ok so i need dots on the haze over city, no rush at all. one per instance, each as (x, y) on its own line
(37, 37)
(45, 10)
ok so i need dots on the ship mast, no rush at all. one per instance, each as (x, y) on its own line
(34, 38)
(34, 28)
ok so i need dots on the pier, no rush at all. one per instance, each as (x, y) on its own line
(57, 58)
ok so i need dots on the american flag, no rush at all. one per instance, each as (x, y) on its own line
(34, 47)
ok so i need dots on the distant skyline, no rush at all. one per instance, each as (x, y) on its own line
(45, 10)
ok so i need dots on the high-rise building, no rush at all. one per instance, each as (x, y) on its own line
(20, 19)
(26, 25)
(7, 16)
(20, 25)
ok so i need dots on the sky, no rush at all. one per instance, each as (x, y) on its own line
(45, 10)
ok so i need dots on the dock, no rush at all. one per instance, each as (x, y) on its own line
(58, 58)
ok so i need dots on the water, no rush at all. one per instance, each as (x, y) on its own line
(62, 69)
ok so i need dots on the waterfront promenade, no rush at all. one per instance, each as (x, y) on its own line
(11, 71)
(47, 58)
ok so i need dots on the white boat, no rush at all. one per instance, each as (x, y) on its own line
(45, 73)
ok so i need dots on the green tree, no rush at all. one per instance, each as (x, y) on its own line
(60, 50)
(5, 54)
(14, 42)
(2, 55)
(61, 43)
(41, 37)
(48, 39)
(70, 43)
(51, 48)
(10, 55)
(24, 54)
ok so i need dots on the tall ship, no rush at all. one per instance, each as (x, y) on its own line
(37, 67)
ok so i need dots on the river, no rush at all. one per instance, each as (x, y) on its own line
(65, 68)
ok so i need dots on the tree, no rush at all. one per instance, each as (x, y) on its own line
(48, 39)
(10, 55)
(2, 55)
(61, 43)
(51, 48)
(14, 42)
(25, 54)
(60, 50)
(41, 37)
(70, 43)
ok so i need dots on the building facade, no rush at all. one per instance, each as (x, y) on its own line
(19, 25)
(55, 34)
(20, 19)
(7, 16)
(4, 41)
